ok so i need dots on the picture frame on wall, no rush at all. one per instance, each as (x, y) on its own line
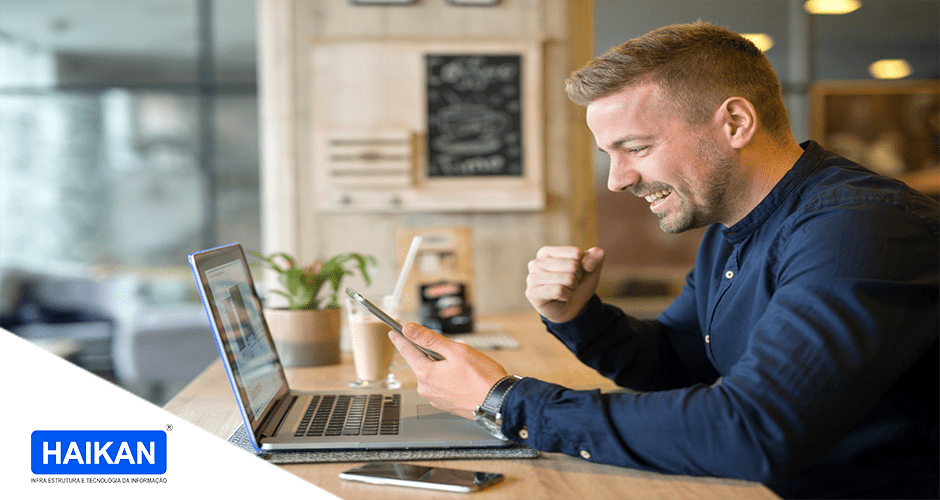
(891, 127)
(474, 115)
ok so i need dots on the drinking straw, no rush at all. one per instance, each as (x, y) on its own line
(406, 268)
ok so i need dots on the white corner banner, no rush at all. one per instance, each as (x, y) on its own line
(70, 434)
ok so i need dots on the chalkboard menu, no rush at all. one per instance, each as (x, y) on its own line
(474, 115)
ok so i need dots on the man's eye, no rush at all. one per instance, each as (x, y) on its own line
(637, 149)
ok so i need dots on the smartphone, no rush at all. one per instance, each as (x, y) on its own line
(419, 476)
(374, 309)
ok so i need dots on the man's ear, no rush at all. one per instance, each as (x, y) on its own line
(738, 120)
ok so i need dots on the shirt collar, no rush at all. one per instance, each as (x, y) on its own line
(813, 153)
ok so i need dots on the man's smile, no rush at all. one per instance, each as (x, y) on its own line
(656, 198)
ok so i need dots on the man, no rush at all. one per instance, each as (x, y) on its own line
(802, 351)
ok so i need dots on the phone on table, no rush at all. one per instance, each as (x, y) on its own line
(374, 309)
(419, 476)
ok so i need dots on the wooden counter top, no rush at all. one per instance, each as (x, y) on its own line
(208, 403)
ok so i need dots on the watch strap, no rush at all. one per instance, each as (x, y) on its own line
(493, 402)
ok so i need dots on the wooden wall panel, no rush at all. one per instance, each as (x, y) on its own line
(504, 241)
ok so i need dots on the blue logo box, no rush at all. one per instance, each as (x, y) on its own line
(98, 452)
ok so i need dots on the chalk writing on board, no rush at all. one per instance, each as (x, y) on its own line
(474, 115)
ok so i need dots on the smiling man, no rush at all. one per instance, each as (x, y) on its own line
(802, 351)
(692, 176)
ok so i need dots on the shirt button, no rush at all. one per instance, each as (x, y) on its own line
(585, 455)
(708, 339)
(524, 433)
(729, 274)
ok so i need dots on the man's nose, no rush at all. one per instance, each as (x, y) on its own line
(621, 177)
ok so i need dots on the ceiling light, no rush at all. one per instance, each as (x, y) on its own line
(762, 40)
(890, 69)
(831, 6)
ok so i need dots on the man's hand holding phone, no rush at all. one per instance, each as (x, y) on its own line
(454, 377)
(456, 385)
(388, 320)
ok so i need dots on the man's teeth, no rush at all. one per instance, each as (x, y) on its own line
(657, 195)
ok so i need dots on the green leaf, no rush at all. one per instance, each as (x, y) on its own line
(303, 288)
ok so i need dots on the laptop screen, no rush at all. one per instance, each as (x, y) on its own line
(242, 335)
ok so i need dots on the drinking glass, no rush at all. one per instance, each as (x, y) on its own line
(372, 350)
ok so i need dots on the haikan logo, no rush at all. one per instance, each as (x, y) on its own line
(98, 452)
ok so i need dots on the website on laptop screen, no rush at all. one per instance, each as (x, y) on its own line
(249, 351)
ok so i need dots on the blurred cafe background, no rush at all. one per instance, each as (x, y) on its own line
(133, 132)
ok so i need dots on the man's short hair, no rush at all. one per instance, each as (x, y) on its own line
(696, 66)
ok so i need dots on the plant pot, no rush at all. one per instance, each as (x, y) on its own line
(305, 337)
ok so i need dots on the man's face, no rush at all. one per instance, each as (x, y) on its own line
(655, 154)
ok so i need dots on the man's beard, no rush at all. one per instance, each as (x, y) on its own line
(717, 168)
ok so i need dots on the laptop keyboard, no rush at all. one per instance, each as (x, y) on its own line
(351, 415)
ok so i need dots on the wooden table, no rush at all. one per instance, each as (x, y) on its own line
(208, 402)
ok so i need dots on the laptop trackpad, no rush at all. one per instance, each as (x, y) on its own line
(428, 412)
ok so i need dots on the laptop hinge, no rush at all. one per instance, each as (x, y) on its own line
(276, 416)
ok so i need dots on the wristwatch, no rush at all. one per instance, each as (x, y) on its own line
(488, 415)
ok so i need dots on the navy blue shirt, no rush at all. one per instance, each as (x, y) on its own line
(801, 353)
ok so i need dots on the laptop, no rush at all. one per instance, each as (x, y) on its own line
(277, 417)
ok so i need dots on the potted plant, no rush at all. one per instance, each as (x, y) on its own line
(306, 332)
